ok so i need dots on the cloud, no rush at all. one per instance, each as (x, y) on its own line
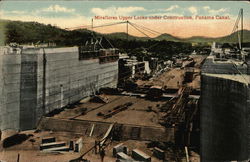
(217, 11)
(193, 10)
(206, 7)
(14, 12)
(63, 22)
(1, 13)
(172, 7)
(17, 12)
(213, 11)
(58, 15)
(52, 10)
(113, 11)
(57, 8)
(165, 14)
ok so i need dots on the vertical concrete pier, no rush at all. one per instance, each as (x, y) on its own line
(224, 111)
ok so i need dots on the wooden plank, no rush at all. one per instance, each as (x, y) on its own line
(103, 140)
(92, 130)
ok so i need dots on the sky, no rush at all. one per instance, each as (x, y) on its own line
(71, 14)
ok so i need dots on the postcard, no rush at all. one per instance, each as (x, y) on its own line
(124, 81)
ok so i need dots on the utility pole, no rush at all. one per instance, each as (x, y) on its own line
(44, 81)
(127, 31)
(241, 27)
(18, 157)
(92, 24)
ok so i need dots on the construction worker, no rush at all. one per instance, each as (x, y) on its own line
(102, 154)
(97, 147)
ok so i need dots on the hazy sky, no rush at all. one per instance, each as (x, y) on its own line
(66, 14)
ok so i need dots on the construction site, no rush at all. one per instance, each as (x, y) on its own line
(152, 119)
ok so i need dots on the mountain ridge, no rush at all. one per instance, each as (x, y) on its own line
(35, 31)
(168, 37)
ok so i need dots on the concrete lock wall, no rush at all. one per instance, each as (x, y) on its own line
(211, 66)
(224, 119)
(248, 117)
(28, 90)
(2, 101)
(37, 81)
(84, 127)
(10, 72)
(69, 79)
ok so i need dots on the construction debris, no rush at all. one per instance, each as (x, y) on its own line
(186, 152)
(48, 139)
(176, 113)
(115, 110)
(104, 138)
(120, 148)
(14, 140)
(122, 156)
(54, 146)
(99, 99)
(49, 144)
(79, 145)
(140, 156)
(155, 92)
(92, 130)
(159, 153)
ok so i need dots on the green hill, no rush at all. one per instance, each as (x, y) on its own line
(2, 32)
(167, 37)
(121, 35)
(198, 39)
(33, 32)
(232, 38)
